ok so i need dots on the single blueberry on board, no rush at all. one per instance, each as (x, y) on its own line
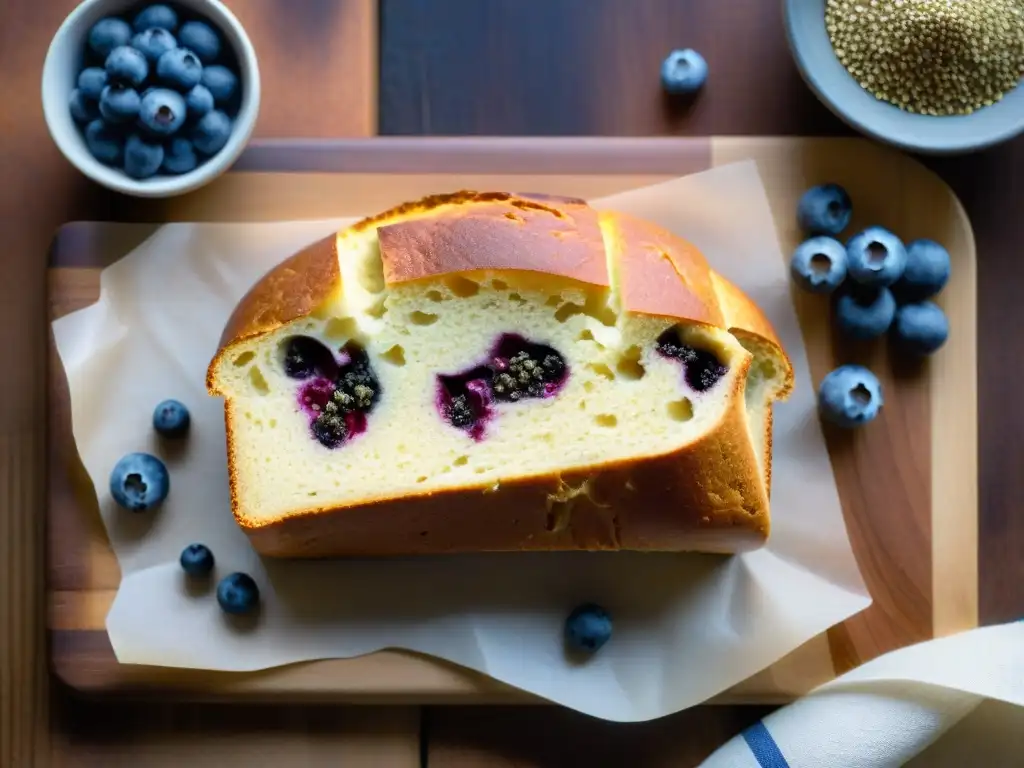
(588, 628)
(127, 66)
(199, 101)
(238, 594)
(850, 396)
(926, 273)
(162, 111)
(142, 158)
(200, 37)
(865, 313)
(154, 43)
(824, 210)
(83, 109)
(105, 143)
(139, 481)
(171, 418)
(180, 156)
(212, 132)
(92, 81)
(179, 69)
(119, 103)
(875, 257)
(819, 264)
(221, 82)
(197, 560)
(683, 71)
(921, 328)
(108, 34)
(156, 17)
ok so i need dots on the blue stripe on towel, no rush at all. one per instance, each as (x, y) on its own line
(765, 750)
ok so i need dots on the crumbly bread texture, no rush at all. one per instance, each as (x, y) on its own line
(490, 371)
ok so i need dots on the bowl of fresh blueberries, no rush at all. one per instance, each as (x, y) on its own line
(151, 99)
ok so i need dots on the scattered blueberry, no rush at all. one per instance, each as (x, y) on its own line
(162, 111)
(197, 560)
(238, 594)
(683, 71)
(156, 17)
(171, 419)
(108, 34)
(875, 257)
(119, 104)
(701, 367)
(850, 396)
(824, 210)
(142, 158)
(199, 36)
(139, 482)
(127, 65)
(180, 156)
(221, 82)
(180, 68)
(91, 82)
(926, 273)
(105, 143)
(199, 101)
(588, 628)
(154, 43)
(83, 109)
(865, 313)
(212, 132)
(921, 328)
(819, 264)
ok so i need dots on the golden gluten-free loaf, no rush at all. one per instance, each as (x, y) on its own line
(490, 371)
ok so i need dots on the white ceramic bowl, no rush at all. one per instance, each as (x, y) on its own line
(826, 76)
(60, 73)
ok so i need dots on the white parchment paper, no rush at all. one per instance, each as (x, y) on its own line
(686, 626)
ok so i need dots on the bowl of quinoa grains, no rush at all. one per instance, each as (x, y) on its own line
(929, 76)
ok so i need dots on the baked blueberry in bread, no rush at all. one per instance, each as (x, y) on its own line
(489, 371)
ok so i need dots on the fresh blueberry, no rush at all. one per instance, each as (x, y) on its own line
(156, 17)
(104, 142)
(154, 43)
(83, 109)
(108, 34)
(180, 69)
(819, 264)
(199, 101)
(865, 313)
(824, 210)
(199, 36)
(212, 132)
(875, 257)
(921, 328)
(238, 594)
(139, 482)
(683, 71)
(180, 156)
(588, 628)
(162, 111)
(91, 82)
(197, 560)
(171, 419)
(221, 82)
(850, 396)
(127, 65)
(119, 104)
(927, 271)
(142, 158)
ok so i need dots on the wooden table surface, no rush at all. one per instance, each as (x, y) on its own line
(350, 68)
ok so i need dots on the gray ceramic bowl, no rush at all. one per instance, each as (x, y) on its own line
(808, 40)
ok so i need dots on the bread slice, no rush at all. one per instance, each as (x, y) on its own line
(490, 371)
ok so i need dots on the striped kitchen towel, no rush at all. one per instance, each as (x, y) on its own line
(885, 712)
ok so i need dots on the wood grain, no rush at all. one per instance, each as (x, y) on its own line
(886, 473)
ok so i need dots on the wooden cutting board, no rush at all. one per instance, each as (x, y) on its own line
(908, 483)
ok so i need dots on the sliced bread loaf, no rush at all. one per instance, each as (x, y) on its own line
(489, 371)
